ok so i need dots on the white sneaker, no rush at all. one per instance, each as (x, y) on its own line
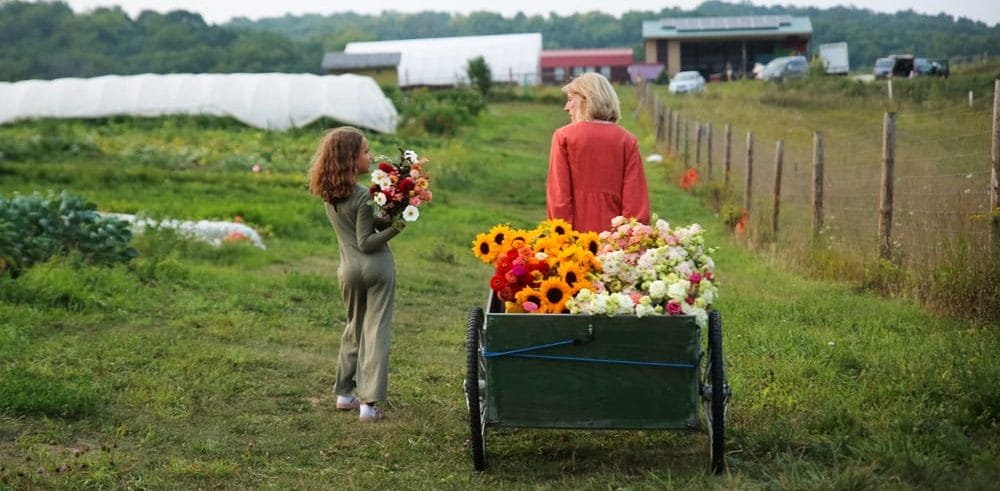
(348, 403)
(370, 413)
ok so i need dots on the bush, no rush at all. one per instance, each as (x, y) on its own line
(35, 228)
(480, 74)
(442, 112)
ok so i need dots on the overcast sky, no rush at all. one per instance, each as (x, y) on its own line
(218, 11)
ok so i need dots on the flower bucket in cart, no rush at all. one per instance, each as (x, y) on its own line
(593, 372)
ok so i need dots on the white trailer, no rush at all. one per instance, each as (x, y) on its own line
(834, 56)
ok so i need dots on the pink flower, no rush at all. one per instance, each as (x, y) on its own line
(695, 277)
(673, 308)
(530, 306)
(636, 297)
(255, 168)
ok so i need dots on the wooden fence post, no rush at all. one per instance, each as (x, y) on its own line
(687, 140)
(779, 157)
(995, 174)
(748, 185)
(670, 128)
(885, 201)
(660, 126)
(708, 150)
(728, 155)
(817, 183)
(697, 145)
(677, 134)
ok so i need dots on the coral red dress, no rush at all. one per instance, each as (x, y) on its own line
(595, 174)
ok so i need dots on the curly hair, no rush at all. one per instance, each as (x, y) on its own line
(600, 101)
(333, 172)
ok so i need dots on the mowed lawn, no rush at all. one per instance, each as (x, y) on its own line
(196, 367)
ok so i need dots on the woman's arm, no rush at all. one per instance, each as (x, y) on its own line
(364, 227)
(559, 184)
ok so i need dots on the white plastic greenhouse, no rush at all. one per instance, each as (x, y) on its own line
(512, 58)
(274, 101)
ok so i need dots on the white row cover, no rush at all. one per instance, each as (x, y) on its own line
(273, 101)
(513, 58)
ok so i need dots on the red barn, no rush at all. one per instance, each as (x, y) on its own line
(561, 65)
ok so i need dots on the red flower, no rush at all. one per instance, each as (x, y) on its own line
(387, 168)
(497, 282)
(405, 185)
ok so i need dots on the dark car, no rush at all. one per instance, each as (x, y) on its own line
(883, 67)
(785, 67)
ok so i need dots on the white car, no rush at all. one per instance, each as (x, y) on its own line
(685, 82)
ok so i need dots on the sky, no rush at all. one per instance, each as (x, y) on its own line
(219, 11)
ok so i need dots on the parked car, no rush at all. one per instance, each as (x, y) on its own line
(684, 82)
(883, 67)
(785, 67)
(926, 67)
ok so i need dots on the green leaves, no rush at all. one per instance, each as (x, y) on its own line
(36, 227)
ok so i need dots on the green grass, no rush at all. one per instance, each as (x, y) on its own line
(941, 209)
(196, 367)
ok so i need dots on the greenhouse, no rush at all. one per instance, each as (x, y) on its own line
(512, 58)
(272, 101)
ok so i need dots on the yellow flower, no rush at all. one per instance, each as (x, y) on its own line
(555, 293)
(500, 234)
(589, 241)
(580, 256)
(484, 249)
(555, 226)
(574, 275)
(528, 294)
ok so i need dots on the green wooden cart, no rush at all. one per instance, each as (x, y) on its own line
(594, 372)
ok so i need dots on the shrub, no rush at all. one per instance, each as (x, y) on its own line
(34, 228)
(442, 112)
(480, 74)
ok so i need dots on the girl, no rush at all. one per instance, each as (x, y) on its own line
(367, 273)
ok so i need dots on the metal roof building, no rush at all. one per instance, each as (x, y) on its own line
(708, 44)
(560, 65)
(512, 58)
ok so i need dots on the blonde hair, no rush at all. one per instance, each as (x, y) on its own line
(333, 175)
(600, 101)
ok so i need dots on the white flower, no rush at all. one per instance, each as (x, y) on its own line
(379, 199)
(658, 290)
(410, 156)
(411, 213)
(381, 178)
(541, 256)
(679, 290)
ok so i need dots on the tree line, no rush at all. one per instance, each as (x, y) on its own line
(48, 40)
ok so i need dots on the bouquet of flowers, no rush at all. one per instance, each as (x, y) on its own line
(399, 188)
(632, 269)
(538, 270)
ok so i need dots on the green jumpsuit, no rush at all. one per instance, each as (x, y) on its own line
(367, 276)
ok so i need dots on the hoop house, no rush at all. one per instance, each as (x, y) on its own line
(273, 101)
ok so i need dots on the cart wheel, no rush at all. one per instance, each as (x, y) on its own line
(719, 393)
(472, 396)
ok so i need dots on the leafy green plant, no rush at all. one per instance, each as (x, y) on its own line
(480, 74)
(56, 224)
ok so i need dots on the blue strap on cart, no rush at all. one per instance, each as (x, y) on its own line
(523, 353)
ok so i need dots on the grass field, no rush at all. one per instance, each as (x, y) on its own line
(196, 367)
(941, 206)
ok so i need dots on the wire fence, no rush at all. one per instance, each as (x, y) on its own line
(942, 197)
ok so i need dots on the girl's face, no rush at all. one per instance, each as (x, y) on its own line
(363, 161)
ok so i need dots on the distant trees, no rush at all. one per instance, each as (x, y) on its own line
(48, 40)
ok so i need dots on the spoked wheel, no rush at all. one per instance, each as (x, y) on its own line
(473, 398)
(715, 393)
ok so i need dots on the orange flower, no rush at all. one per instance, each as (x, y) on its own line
(689, 179)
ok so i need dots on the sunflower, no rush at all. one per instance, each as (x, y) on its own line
(517, 238)
(484, 249)
(589, 241)
(526, 295)
(574, 275)
(552, 245)
(555, 226)
(500, 235)
(555, 293)
(580, 256)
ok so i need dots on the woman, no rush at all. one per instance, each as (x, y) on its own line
(595, 169)
(367, 273)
